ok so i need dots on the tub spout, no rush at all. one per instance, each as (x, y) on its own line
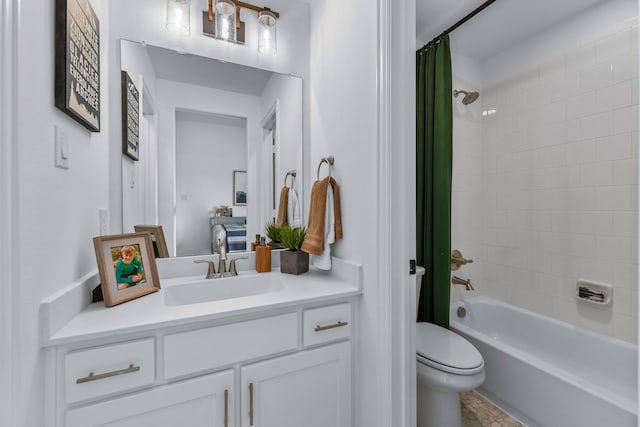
(464, 282)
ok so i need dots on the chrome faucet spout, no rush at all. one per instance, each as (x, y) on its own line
(222, 260)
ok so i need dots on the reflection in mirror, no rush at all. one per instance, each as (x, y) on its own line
(205, 119)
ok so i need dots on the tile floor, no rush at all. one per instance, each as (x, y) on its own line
(478, 412)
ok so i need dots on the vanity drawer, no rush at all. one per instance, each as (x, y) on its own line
(108, 369)
(204, 349)
(326, 324)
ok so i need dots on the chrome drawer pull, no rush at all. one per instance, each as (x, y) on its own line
(250, 404)
(92, 377)
(319, 328)
(226, 408)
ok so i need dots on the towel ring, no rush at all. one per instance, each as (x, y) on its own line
(329, 161)
(291, 174)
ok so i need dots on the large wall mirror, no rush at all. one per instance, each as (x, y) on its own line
(204, 122)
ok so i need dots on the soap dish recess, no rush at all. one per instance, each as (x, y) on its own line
(594, 292)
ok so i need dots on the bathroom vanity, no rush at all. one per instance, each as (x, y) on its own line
(282, 357)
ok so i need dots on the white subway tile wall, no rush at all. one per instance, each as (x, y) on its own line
(545, 187)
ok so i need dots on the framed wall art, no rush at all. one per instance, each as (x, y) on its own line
(130, 117)
(77, 62)
(127, 267)
(239, 188)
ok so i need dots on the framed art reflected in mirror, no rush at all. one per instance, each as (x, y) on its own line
(157, 239)
(240, 188)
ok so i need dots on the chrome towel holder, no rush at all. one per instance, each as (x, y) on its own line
(291, 174)
(329, 160)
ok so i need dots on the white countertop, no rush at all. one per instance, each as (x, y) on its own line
(150, 312)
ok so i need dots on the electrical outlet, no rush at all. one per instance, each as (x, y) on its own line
(104, 221)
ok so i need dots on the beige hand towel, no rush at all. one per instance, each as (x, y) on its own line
(282, 207)
(313, 242)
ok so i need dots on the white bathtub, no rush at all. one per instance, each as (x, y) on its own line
(550, 373)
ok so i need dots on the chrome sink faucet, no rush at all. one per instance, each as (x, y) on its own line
(222, 264)
(211, 272)
(222, 260)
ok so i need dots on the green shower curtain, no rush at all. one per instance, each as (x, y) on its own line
(434, 140)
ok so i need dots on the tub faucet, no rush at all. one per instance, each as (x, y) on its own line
(464, 282)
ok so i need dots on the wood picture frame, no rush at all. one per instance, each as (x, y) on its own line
(240, 188)
(130, 117)
(157, 239)
(126, 266)
(77, 62)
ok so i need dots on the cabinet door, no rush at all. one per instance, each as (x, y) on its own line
(205, 401)
(310, 389)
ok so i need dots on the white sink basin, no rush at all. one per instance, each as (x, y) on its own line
(206, 290)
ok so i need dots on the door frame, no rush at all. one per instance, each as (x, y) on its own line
(396, 400)
(9, 218)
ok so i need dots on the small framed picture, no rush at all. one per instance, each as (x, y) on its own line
(127, 267)
(240, 188)
(157, 239)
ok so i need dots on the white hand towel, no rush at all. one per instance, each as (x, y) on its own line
(294, 216)
(323, 261)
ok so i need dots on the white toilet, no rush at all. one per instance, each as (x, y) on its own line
(447, 364)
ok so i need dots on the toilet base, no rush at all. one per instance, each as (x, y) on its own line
(437, 408)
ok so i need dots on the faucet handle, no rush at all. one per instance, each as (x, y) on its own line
(211, 272)
(232, 265)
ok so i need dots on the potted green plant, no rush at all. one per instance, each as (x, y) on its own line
(293, 260)
(273, 232)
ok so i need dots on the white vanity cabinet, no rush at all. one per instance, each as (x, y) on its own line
(310, 388)
(206, 401)
(287, 367)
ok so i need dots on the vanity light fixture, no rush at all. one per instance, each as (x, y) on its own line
(222, 21)
(267, 31)
(178, 15)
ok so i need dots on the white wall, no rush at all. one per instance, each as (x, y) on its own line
(136, 174)
(343, 100)
(467, 190)
(207, 153)
(58, 208)
(174, 96)
(560, 165)
(288, 93)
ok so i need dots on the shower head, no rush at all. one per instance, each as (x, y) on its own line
(469, 97)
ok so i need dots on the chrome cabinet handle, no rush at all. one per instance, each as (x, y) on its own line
(226, 408)
(250, 404)
(339, 324)
(92, 377)
(319, 328)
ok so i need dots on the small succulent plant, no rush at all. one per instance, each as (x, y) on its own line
(292, 238)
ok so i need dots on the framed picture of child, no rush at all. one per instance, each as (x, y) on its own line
(127, 267)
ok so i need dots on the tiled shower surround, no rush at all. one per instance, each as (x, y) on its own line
(548, 193)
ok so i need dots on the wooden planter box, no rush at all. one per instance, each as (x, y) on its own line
(294, 262)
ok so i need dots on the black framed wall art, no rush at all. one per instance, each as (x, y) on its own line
(77, 62)
(130, 117)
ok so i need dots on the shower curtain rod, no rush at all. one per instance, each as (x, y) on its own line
(459, 23)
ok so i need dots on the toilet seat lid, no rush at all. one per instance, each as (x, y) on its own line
(445, 350)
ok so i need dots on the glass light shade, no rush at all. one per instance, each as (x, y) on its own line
(267, 42)
(178, 14)
(225, 11)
